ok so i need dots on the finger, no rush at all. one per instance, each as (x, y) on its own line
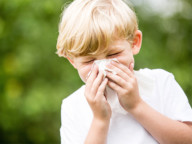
(101, 89)
(92, 76)
(118, 72)
(115, 87)
(97, 82)
(131, 66)
(117, 79)
(90, 71)
(122, 67)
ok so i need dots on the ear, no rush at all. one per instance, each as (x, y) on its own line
(71, 60)
(137, 42)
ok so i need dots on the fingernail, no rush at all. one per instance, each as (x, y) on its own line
(131, 67)
(115, 60)
(90, 71)
(88, 74)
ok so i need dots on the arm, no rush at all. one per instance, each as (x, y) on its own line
(162, 128)
(94, 93)
(98, 132)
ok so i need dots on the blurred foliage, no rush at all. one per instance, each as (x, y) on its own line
(34, 80)
(167, 43)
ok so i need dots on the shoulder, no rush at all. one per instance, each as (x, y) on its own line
(75, 117)
(154, 77)
(75, 107)
(76, 98)
(157, 73)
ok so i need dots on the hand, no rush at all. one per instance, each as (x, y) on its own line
(125, 84)
(94, 93)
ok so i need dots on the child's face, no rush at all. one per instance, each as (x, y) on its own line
(120, 49)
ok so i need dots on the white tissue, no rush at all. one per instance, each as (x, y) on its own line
(102, 65)
(111, 95)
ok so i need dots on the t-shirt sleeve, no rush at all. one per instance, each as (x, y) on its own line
(177, 106)
(69, 132)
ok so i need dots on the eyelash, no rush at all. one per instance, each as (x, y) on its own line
(89, 61)
(114, 54)
(94, 59)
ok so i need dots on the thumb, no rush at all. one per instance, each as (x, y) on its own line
(131, 66)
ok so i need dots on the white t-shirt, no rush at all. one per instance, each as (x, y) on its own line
(157, 87)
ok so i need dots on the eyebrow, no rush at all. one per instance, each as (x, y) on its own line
(113, 48)
(117, 46)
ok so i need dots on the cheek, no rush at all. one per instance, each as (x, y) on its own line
(83, 72)
(126, 60)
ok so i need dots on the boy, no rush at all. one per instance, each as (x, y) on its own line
(157, 110)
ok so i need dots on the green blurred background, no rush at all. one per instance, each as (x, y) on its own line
(34, 80)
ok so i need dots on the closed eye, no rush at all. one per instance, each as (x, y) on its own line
(89, 61)
(113, 54)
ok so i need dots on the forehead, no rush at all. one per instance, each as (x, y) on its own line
(118, 44)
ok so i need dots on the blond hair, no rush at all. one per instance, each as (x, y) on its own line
(87, 27)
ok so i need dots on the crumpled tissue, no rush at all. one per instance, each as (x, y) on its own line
(111, 95)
